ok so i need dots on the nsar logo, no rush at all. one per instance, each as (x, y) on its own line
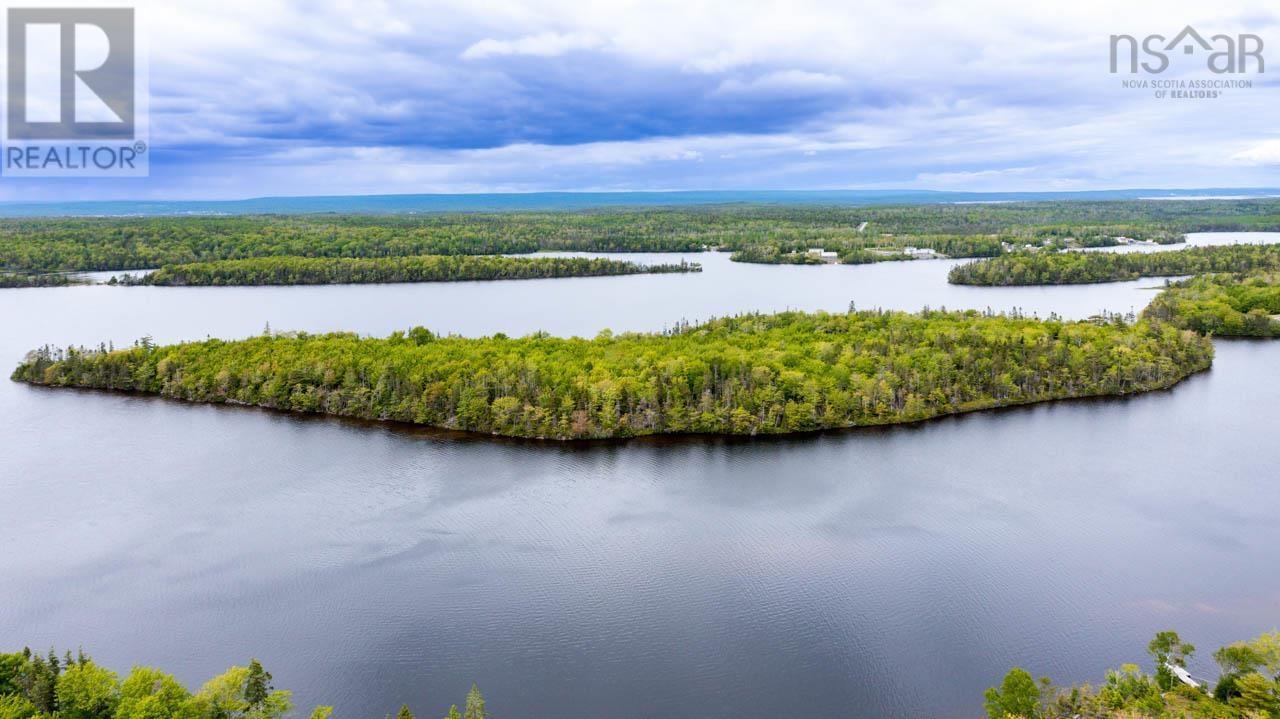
(1223, 54)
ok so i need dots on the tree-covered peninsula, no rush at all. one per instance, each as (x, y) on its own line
(1068, 268)
(751, 374)
(1222, 305)
(422, 268)
(34, 686)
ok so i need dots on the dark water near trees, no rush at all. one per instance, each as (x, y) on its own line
(880, 573)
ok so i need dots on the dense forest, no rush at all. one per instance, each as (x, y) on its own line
(425, 268)
(1248, 687)
(751, 374)
(132, 243)
(1222, 305)
(75, 687)
(1066, 268)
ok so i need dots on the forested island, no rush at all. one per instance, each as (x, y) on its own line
(33, 686)
(756, 233)
(1066, 268)
(428, 268)
(751, 374)
(1248, 687)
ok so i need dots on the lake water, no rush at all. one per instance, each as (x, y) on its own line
(869, 573)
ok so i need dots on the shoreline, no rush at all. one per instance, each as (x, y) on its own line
(464, 435)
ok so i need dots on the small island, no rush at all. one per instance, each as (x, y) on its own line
(746, 375)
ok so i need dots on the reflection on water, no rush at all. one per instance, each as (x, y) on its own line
(881, 573)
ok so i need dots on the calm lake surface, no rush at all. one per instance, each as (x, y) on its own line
(878, 573)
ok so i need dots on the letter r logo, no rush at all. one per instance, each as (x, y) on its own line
(71, 73)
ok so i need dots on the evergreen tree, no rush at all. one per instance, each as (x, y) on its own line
(475, 704)
(404, 712)
(258, 685)
(42, 683)
(1258, 696)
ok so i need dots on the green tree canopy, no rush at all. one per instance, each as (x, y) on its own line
(1018, 696)
(87, 691)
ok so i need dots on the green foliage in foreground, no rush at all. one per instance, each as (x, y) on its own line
(32, 686)
(49, 687)
(1222, 305)
(752, 374)
(1066, 268)
(1247, 688)
(422, 268)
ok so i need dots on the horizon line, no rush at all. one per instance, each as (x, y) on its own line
(530, 193)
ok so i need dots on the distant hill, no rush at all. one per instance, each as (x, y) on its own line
(581, 200)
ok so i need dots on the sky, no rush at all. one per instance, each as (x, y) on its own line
(260, 98)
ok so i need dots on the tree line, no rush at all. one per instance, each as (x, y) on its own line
(35, 279)
(60, 244)
(1064, 268)
(750, 374)
(856, 248)
(34, 686)
(428, 268)
(1248, 687)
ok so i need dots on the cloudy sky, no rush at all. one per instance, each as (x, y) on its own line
(257, 97)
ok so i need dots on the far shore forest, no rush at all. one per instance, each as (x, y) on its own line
(41, 251)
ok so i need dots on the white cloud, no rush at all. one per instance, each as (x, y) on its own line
(994, 94)
(547, 44)
(1263, 153)
(782, 82)
(972, 178)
